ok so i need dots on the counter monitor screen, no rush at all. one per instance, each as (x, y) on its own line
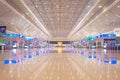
(2, 30)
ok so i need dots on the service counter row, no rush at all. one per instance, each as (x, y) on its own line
(16, 42)
(108, 41)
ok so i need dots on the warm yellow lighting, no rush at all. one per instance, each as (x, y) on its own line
(59, 43)
(60, 50)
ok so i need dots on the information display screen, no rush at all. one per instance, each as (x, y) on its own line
(7, 43)
(2, 30)
(14, 44)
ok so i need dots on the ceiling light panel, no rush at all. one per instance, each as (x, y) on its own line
(58, 15)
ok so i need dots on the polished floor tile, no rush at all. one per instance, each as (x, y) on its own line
(59, 64)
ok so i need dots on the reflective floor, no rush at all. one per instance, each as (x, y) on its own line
(59, 64)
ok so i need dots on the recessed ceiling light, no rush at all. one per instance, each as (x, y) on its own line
(118, 6)
(99, 6)
(67, 5)
(12, 23)
(88, 6)
(65, 13)
(57, 6)
(104, 10)
(36, 5)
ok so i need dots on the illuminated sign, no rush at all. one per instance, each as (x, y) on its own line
(29, 38)
(59, 43)
(105, 35)
(90, 38)
(2, 30)
(15, 35)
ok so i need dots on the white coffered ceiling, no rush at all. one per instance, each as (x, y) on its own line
(60, 19)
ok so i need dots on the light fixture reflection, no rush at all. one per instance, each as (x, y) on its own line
(60, 50)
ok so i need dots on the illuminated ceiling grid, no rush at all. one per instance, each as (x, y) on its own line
(58, 19)
(104, 24)
(59, 15)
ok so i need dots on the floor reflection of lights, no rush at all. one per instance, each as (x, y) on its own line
(60, 50)
(67, 66)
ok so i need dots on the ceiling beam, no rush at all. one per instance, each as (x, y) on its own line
(105, 10)
(37, 21)
(80, 23)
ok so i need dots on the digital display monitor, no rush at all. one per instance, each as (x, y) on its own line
(90, 38)
(6, 61)
(106, 61)
(14, 44)
(13, 61)
(28, 56)
(89, 56)
(112, 44)
(7, 43)
(2, 30)
(113, 61)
